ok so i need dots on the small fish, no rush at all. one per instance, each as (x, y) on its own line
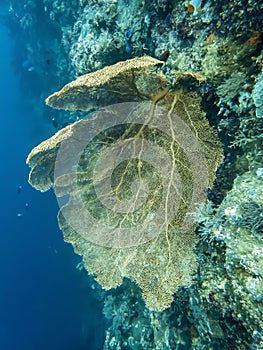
(167, 20)
(128, 35)
(164, 56)
(194, 6)
(54, 122)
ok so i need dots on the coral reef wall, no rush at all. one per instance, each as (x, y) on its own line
(42, 31)
(223, 309)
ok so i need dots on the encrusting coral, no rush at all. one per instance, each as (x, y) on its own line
(153, 242)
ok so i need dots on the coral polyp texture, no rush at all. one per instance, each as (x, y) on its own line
(116, 83)
(135, 176)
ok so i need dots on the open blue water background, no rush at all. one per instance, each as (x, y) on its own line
(45, 302)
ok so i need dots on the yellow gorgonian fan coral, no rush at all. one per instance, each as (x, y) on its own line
(131, 181)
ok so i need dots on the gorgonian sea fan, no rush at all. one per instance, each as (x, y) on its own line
(130, 182)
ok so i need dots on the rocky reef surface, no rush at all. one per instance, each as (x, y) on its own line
(221, 41)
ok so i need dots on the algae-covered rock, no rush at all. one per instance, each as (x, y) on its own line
(257, 96)
(135, 177)
(232, 281)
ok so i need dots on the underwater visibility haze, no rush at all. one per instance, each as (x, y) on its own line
(141, 123)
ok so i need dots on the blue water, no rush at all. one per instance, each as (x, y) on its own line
(45, 302)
